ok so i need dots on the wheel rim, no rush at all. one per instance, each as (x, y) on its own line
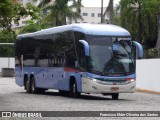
(33, 88)
(27, 85)
(74, 89)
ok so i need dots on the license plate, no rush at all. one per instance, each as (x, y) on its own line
(114, 88)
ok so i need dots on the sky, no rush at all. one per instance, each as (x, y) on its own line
(97, 3)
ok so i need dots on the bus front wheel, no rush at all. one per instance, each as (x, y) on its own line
(115, 96)
(73, 90)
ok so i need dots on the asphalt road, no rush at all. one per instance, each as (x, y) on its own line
(14, 98)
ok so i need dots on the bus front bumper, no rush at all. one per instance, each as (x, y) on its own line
(96, 86)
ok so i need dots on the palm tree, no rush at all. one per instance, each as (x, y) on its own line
(110, 11)
(59, 10)
(43, 3)
(139, 17)
(76, 7)
(77, 4)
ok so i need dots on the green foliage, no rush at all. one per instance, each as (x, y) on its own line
(140, 18)
(13, 12)
(151, 53)
(116, 15)
(32, 26)
(59, 10)
(6, 13)
(7, 37)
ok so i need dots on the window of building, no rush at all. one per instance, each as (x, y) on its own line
(99, 14)
(85, 14)
(92, 14)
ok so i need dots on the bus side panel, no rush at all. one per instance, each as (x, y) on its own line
(79, 82)
(40, 74)
(64, 83)
(55, 77)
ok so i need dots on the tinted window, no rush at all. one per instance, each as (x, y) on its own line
(79, 47)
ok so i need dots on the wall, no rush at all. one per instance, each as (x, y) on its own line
(148, 74)
(4, 63)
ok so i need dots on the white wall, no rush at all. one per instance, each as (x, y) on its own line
(148, 74)
(4, 63)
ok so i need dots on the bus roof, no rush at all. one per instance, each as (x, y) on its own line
(91, 29)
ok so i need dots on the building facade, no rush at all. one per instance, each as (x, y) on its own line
(89, 15)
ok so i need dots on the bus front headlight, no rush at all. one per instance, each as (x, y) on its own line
(130, 79)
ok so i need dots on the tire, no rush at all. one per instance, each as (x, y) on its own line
(73, 90)
(28, 86)
(115, 96)
(33, 87)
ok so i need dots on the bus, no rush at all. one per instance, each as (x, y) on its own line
(78, 58)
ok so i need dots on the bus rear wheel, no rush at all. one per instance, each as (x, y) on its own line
(28, 86)
(115, 96)
(33, 87)
(73, 90)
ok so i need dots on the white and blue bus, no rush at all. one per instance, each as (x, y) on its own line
(78, 58)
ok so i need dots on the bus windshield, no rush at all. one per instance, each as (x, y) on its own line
(112, 56)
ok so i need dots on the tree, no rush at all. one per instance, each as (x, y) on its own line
(60, 10)
(30, 26)
(140, 18)
(110, 11)
(33, 26)
(43, 3)
(7, 37)
(158, 41)
(77, 4)
(116, 15)
(12, 12)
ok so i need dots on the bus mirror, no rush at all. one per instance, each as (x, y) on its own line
(86, 47)
(140, 49)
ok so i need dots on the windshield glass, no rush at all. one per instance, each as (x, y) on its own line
(111, 55)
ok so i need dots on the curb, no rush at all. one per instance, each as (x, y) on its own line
(147, 91)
